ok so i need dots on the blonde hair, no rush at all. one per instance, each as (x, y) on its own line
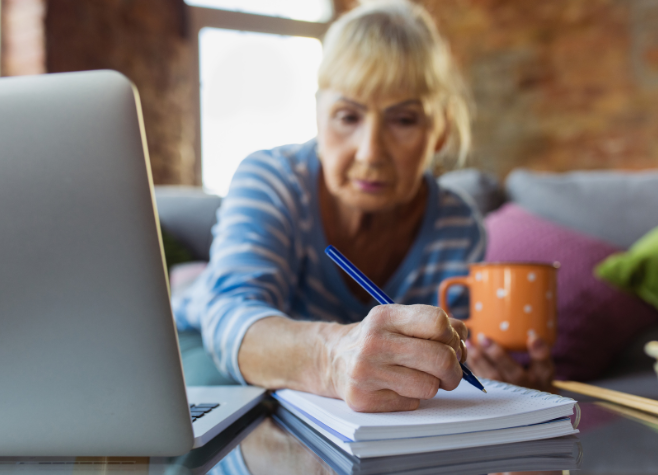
(392, 47)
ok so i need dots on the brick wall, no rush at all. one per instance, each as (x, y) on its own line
(559, 84)
(145, 40)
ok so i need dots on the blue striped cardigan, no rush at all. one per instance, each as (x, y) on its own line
(267, 255)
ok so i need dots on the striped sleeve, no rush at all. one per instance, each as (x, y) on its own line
(455, 240)
(252, 270)
(471, 218)
(466, 219)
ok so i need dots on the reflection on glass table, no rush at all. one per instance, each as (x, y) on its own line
(613, 440)
(196, 462)
(553, 454)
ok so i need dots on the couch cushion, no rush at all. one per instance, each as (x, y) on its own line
(595, 321)
(617, 207)
(188, 214)
(483, 187)
(635, 271)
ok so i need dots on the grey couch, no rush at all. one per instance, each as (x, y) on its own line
(615, 207)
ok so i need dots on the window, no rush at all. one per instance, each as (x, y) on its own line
(307, 10)
(257, 78)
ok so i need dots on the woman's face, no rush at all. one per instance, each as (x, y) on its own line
(374, 152)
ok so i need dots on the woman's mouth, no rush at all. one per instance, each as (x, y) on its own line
(370, 186)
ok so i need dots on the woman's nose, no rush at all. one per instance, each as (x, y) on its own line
(371, 149)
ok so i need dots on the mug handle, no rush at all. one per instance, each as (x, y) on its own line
(446, 284)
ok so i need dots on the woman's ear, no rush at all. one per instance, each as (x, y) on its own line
(443, 138)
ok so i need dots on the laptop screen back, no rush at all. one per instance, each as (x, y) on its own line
(89, 361)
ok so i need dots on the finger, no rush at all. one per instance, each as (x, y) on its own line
(383, 400)
(460, 328)
(541, 367)
(431, 357)
(509, 369)
(479, 363)
(418, 321)
(464, 352)
(408, 382)
(538, 349)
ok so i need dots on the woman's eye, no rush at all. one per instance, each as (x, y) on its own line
(348, 117)
(405, 120)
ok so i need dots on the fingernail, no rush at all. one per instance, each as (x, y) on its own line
(459, 352)
(537, 342)
(483, 340)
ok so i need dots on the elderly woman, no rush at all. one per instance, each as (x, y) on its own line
(273, 311)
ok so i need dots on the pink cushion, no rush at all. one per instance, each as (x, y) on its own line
(595, 321)
(181, 276)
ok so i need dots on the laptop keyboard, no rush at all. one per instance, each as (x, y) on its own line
(197, 411)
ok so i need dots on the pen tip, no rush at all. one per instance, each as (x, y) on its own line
(484, 391)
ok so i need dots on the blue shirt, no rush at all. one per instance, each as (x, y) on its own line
(267, 258)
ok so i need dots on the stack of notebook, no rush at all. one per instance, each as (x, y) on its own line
(457, 419)
(554, 455)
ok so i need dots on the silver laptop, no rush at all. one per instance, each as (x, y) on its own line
(89, 359)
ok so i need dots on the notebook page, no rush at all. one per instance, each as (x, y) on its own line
(414, 445)
(450, 412)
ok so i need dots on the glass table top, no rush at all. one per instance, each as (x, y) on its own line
(612, 440)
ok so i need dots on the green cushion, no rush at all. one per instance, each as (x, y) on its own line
(636, 270)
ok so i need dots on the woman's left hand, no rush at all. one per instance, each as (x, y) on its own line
(489, 360)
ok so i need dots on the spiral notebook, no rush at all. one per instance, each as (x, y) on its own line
(455, 419)
(558, 454)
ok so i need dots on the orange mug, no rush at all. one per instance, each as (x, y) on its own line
(509, 301)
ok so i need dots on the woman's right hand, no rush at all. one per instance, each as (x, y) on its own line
(396, 356)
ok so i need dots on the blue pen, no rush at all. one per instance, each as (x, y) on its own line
(379, 295)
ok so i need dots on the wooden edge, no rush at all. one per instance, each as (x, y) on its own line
(618, 397)
(640, 416)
